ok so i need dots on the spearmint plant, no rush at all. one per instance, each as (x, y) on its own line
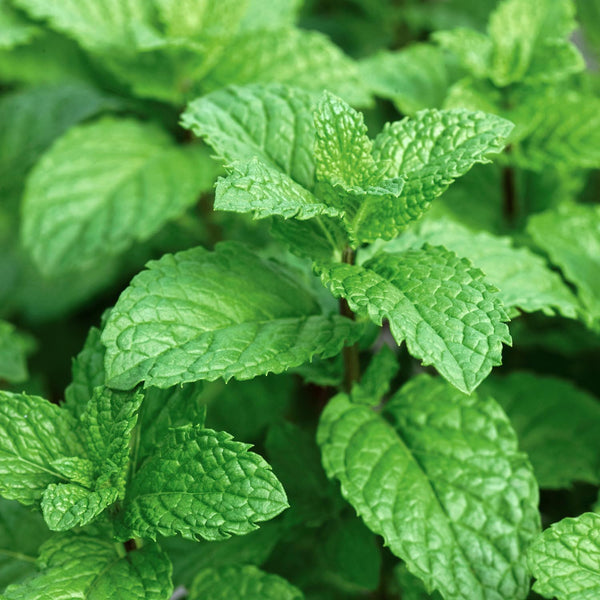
(329, 275)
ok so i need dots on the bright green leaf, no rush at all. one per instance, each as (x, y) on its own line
(438, 475)
(14, 28)
(242, 583)
(197, 315)
(565, 559)
(74, 192)
(450, 317)
(201, 484)
(375, 381)
(33, 433)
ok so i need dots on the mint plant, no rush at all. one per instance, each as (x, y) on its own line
(333, 305)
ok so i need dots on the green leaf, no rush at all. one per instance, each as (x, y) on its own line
(571, 237)
(521, 31)
(78, 566)
(565, 559)
(88, 373)
(472, 48)
(524, 279)
(557, 425)
(276, 14)
(33, 434)
(97, 171)
(264, 191)
(107, 424)
(438, 475)
(22, 530)
(201, 484)
(450, 317)
(411, 587)
(272, 123)
(242, 583)
(67, 505)
(375, 381)
(101, 26)
(163, 410)
(291, 56)
(413, 78)
(14, 348)
(429, 152)
(198, 315)
(33, 118)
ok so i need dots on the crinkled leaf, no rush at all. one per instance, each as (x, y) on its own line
(14, 347)
(33, 433)
(273, 123)
(524, 279)
(557, 425)
(438, 475)
(571, 237)
(430, 151)
(413, 78)
(204, 315)
(67, 505)
(450, 317)
(82, 567)
(242, 583)
(291, 56)
(98, 171)
(22, 530)
(107, 424)
(201, 484)
(565, 559)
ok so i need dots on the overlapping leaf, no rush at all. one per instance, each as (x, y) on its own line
(438, 475)
(204, 315)
(437, 302)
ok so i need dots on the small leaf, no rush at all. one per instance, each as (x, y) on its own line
(201, 484)
(198, 315)
(375, 381)
(438, 475)
(14, 347)
(565, 559)
(79, 566)
(242, 583)
(67, 505)
(439, 303)
(33, 434)
(97, 171)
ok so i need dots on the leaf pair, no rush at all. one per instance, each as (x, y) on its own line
(290, 157)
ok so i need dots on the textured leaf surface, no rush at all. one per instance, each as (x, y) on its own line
(524, 279)
(104, 185)
(571, 237)
(67, 504)
(430, 151)
(439, 303)
(565, 559)
(375, 381)
(242, 583)
(273, 15)
(413, 78)
(557, 425)
(438, 475)
(306, 59)
(78, 567)
(14, 348)
(98, 26)
(273, 123)
(198, 315)
(201, 484)
(22, 530)
(107, 424)
(33, 434)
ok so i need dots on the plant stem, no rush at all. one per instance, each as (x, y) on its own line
(350, 353)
